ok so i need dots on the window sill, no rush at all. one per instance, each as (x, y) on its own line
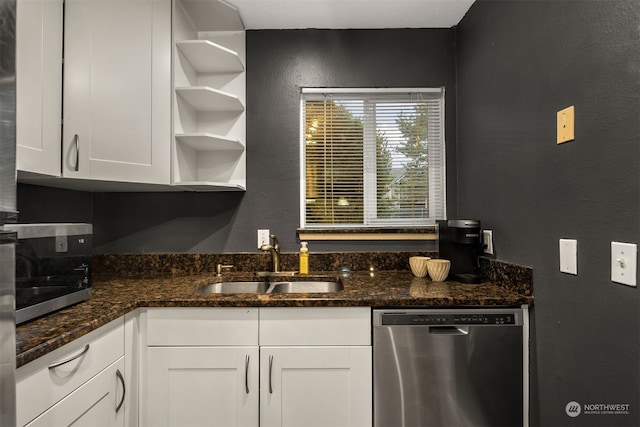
(422, 233)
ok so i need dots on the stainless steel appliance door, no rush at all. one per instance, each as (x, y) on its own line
(448, 375)
(8, 211)
(8, 206)
(7, 330)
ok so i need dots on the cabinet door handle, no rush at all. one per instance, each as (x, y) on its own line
(124, 389)
(70, 359)
(246, 374)
(76, 139)
(270, 369)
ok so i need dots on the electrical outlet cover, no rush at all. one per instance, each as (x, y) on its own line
(565, 125)
(569, 256)
(487, 237)
(62, 244)
(624, 263)
(263, 237)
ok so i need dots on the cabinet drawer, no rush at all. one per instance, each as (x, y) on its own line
(202, 326)
(39, 385)
(92, 404)
(315, 326)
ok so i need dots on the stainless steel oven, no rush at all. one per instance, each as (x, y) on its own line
(53, 267)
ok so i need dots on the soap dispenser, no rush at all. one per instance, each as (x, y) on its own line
(304, 258)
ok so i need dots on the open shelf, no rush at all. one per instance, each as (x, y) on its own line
(204, 98)
(213, 15)
(209, 82)
(208, 57)
(209, 186)
(208, 141)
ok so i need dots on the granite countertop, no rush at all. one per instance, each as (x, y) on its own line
(113, 298)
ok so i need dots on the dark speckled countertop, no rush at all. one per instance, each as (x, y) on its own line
(113, 298)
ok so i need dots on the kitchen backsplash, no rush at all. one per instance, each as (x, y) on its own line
(513, 276)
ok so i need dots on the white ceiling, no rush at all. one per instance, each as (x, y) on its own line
(298, 14)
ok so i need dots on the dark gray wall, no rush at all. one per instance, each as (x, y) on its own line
(518, 64)
(279, 63)
(44, 204)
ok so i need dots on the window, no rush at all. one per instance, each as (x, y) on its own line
(372, 157)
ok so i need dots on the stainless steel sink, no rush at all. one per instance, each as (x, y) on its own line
(309, 287)
(235, 288)
(264, 287)
(276, 273)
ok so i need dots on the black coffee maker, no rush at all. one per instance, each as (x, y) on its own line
(460, 242)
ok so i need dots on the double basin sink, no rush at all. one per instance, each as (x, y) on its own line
(274, 286)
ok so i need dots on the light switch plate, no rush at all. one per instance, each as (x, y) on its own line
(569, 256)
(624, 263)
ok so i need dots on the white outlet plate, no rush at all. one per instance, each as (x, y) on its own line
(569, 256)
(487, 239)
(62, 244)
(624, 258)
(263, 237)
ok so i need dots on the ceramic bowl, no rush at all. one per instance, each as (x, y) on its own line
(438, 269)
(418, 265)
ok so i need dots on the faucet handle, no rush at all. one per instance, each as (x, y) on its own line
(276, 245)
(219, 268)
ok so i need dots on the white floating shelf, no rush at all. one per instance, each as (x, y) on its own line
(209, 57)
(217, 15)
(208, 141)
(204, 98)
(209, 186)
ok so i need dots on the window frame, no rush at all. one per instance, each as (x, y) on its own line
(376, 223)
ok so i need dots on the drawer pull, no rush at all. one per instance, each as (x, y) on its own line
(246, 374)
(124, 389)
(70, 359)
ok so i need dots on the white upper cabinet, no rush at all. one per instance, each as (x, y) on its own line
(117, 98)
(38, 86)
(209, 119)
(151, 95)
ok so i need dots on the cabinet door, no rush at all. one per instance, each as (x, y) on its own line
(196, 386)
(117, 97)
(39, 86)
(94, 404)
(315, 386)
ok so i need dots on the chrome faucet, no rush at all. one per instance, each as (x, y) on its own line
(274, 249)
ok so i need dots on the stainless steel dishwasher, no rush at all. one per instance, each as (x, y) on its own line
(449, 367)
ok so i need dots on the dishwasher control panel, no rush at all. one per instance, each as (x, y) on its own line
(466, 318)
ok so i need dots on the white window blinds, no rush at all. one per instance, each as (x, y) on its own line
(372, 157)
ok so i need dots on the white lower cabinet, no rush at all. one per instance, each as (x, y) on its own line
(196, 386)
(249, 367)
(98, 402)
(80, 384)
(315, 386)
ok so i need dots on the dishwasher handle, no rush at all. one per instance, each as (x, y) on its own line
(449, 330)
